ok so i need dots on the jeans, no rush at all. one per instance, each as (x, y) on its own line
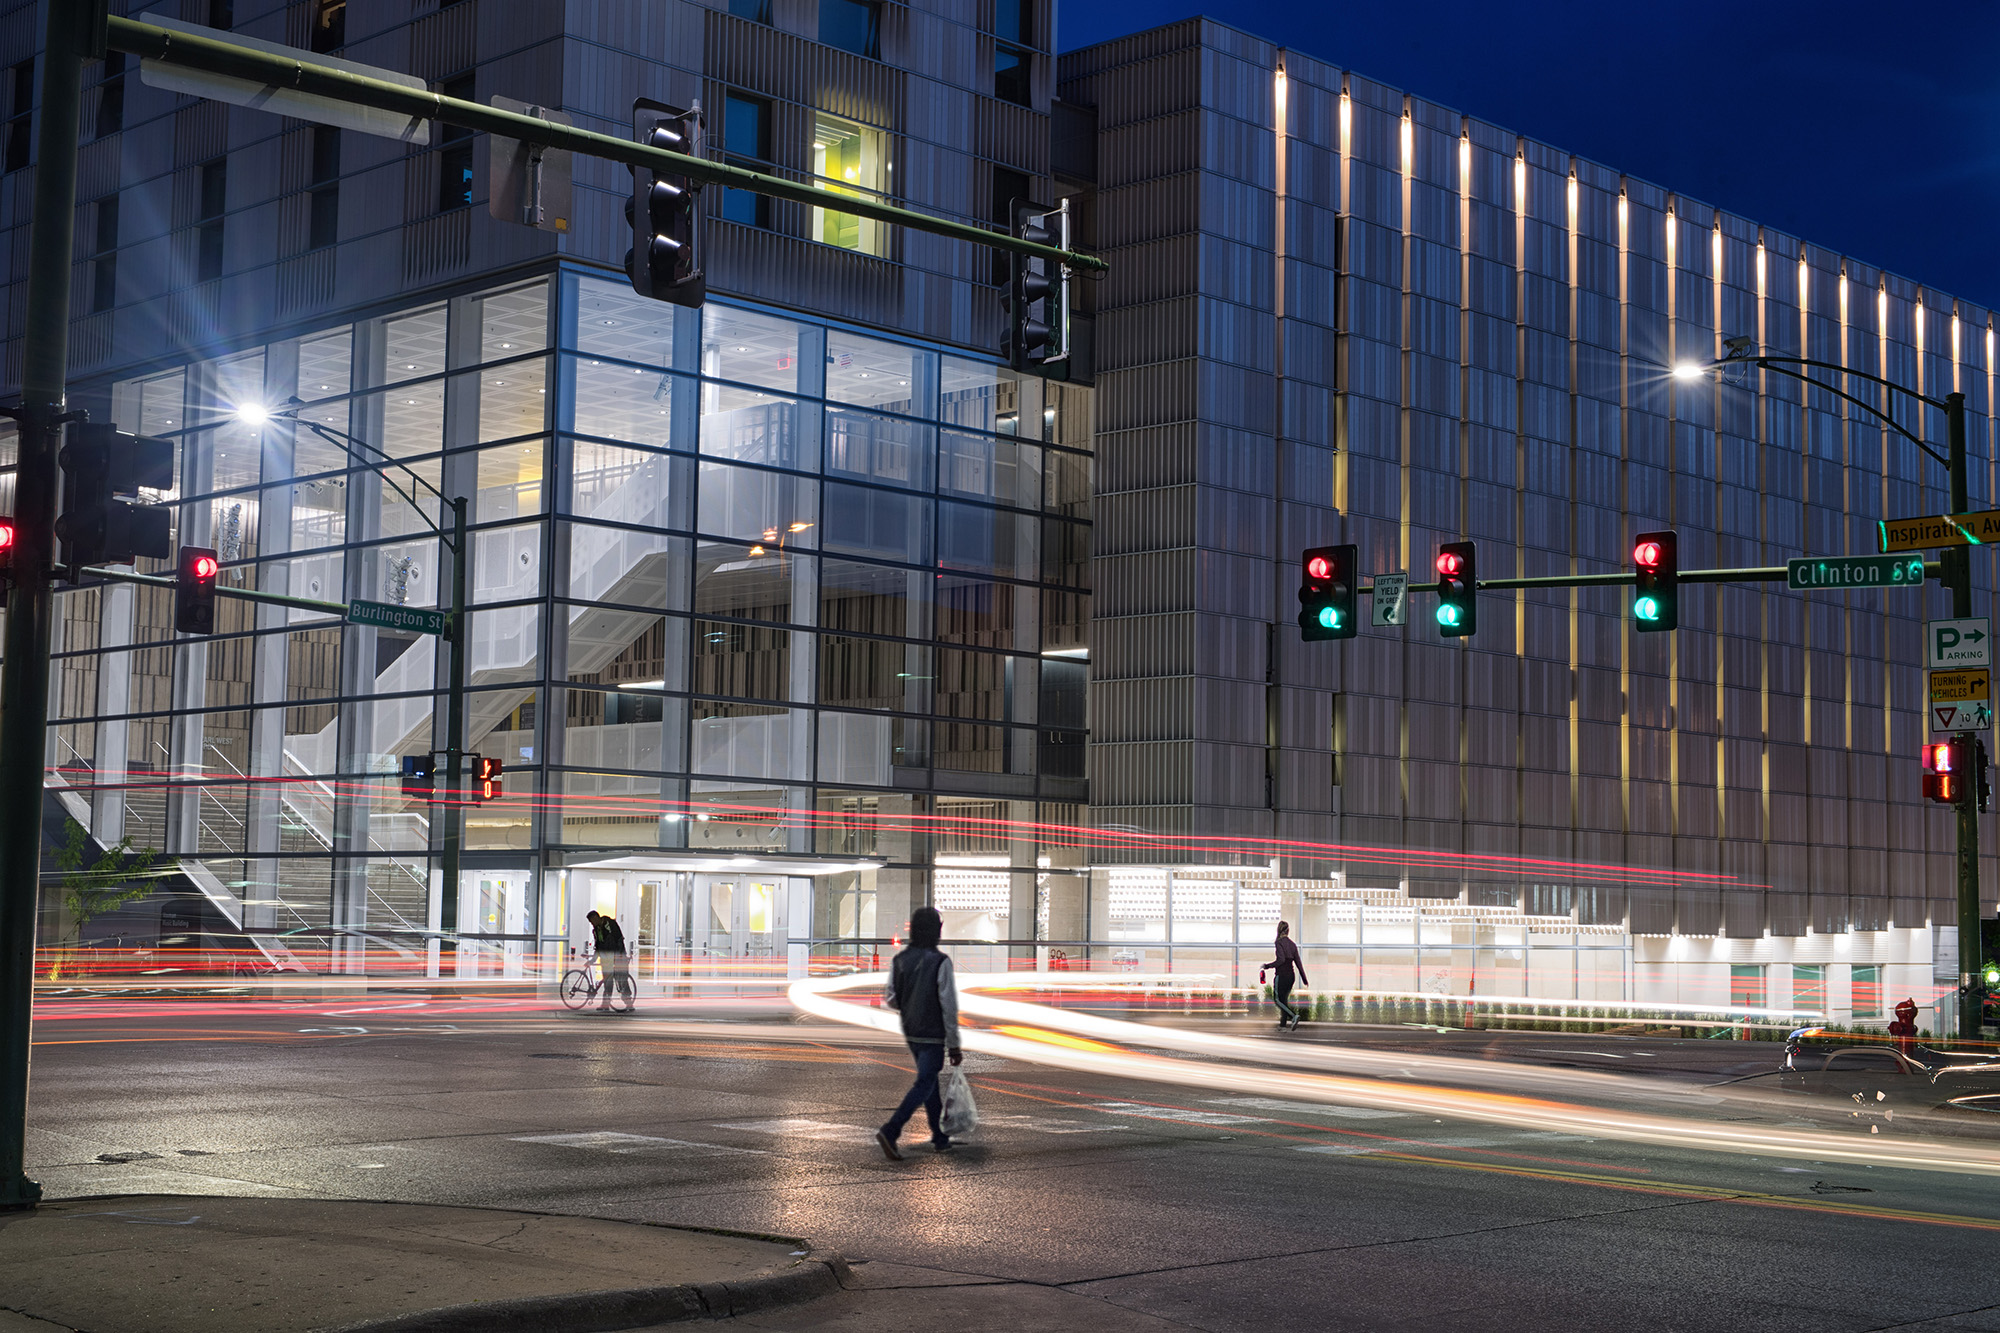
(1282, 992)
(924, 1092)
(617, 979)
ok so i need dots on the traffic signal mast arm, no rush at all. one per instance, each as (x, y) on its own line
(1760, 574)
(217, 55)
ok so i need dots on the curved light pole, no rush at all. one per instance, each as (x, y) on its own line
(452, 852)
(1957, 576)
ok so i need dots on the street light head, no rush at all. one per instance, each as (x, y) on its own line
(1688, 370)
(253, 414)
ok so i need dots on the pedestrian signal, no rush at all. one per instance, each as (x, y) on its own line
(486, 774)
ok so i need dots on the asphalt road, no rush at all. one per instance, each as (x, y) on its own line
(1085, 1200)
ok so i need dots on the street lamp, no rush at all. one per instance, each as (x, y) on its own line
(1957, 576)
(257, 414)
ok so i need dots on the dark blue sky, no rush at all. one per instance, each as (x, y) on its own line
(1873, 129)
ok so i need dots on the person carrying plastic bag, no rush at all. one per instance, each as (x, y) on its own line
(923, 990)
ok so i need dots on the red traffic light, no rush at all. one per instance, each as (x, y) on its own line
(204, 567)
(1319, 567)
(1450, 564)
(1647, 555)
(6, 537)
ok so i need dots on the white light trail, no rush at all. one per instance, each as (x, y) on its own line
(816, 996)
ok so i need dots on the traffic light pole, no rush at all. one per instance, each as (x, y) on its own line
(1958, 577)
(454, 728)
(24, 676)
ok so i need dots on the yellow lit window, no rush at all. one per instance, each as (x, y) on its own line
(848, 159)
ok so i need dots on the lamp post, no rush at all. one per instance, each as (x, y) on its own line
(1957, 576)
(452, 852)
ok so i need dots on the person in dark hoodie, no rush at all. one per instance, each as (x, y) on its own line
(924, 991)
(1285, 964)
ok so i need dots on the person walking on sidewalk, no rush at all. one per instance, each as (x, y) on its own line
(610, 942)
(924, 991)
(1285, 964)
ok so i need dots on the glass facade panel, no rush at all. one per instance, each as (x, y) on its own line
(678, 679)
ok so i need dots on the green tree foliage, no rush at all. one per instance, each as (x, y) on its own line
(95, 884)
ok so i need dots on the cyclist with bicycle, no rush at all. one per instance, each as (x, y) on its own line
(610, 941)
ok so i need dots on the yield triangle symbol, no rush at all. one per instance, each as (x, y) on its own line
(1944, 714)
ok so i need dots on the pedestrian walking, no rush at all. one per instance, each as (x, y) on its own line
(611, 961)
(1285, 964)
(923, 990)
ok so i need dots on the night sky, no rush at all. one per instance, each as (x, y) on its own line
(1827, 121)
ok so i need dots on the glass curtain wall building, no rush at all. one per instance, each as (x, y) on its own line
(756, 602)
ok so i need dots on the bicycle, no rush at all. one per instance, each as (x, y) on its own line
(579, 989)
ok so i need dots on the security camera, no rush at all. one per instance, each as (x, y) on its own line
(1739, 345)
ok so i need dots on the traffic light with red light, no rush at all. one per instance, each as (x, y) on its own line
(486, 775)
(194, 590)
(1656, 605)
(1458, 581)
(1328, 595)
(7, 536)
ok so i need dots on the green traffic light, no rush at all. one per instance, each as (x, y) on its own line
(1647, 608)
(1448, 615)
(1992, 974)
(1329, 618)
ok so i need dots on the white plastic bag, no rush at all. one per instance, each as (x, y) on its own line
(961, 1113)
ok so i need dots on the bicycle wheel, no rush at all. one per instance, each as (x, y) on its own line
(576, 989)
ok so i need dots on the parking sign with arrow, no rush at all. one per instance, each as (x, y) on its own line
(1958, 643)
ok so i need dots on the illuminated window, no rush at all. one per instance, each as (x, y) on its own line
(1867, 992)
(1746, 986)
(847, 159)
(746, 142)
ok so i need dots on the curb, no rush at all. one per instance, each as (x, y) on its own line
(638, 1307)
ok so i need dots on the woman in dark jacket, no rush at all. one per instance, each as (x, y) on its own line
(1286, 963)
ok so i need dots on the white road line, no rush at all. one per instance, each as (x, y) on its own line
(614, 1142)
(1310, 1108)
(1184, 1117)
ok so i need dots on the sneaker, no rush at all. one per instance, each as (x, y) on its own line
(943, 1145)
(888, 1145)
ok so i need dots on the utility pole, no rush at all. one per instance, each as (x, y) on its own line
(454, 730)
(24, 678)
(1958, 577)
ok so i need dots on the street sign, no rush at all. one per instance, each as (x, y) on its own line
(1915, 534)
(1977, 716)
(1861, 571)
(382, 615)
(177, 78)
(1391, 598)
(1958, 643)
(1961, 687)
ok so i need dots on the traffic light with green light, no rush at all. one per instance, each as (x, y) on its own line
(1328, 593)
(1656, 604)
(1457, 612)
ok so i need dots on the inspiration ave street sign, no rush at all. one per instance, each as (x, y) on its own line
(1855, 571)
(383, 615)
(1916, 534)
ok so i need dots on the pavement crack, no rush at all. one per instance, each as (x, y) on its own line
(1928, 1320)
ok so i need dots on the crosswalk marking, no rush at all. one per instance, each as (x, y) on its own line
(1175, 1113)
(1310, 1108)
(614, 1142)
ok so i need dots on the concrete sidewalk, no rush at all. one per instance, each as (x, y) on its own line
(182, 1264)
